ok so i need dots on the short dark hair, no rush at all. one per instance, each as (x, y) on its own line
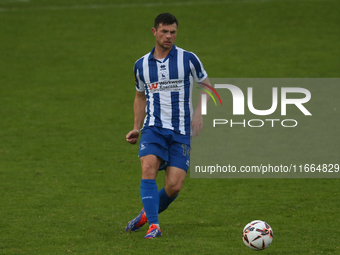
(165, 19)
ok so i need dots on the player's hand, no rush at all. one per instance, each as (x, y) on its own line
(132, 136)
(197, 122)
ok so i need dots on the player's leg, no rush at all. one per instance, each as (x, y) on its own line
(148, 187)
(149, 193)
(141, 219)
(179, 159)
(151, 150)
(174, 179)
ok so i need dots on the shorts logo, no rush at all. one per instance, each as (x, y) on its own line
(142, 146)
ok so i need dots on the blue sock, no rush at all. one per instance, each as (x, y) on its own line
(150, 199)
(164, 200)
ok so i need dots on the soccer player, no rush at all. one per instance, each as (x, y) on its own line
(163, 114)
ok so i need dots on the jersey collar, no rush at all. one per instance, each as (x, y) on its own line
(172, 53)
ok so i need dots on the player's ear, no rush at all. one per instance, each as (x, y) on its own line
(153, 31)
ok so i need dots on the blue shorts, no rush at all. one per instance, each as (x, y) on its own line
(173, 148)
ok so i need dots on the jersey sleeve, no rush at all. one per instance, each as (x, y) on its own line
(197, 68)
(138, 77)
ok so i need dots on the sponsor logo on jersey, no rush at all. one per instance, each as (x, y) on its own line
(153, 86)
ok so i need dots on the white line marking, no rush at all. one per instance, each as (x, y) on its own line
(130, 5)
(13, 1)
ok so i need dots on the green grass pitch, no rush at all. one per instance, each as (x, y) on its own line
(69, 182)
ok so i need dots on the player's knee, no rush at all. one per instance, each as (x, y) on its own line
(148, 171)
(173, 188)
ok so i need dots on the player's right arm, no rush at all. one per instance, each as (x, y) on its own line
(139, 115)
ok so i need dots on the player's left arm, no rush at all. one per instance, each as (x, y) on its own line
(197, 119)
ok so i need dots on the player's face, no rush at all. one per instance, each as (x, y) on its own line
(165, 35)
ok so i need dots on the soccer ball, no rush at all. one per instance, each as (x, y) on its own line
(257, 235)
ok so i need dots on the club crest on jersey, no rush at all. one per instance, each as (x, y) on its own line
(163, 76)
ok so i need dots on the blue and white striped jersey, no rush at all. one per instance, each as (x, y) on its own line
(168, 88)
